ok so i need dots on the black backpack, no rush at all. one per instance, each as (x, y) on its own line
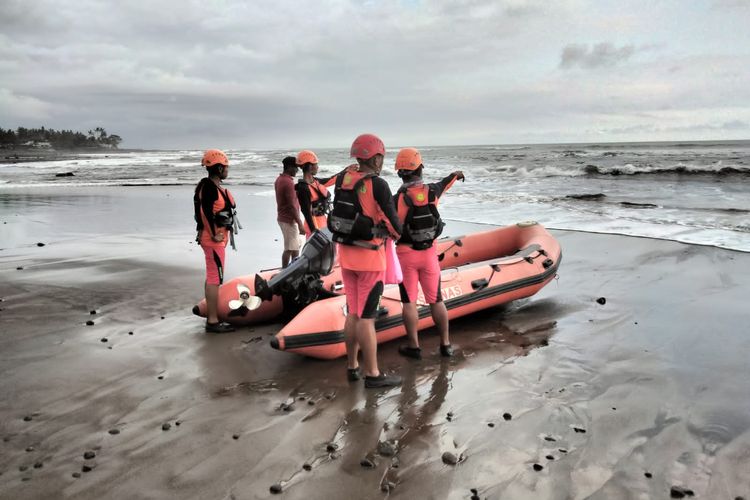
(422, 224)
(346, 221)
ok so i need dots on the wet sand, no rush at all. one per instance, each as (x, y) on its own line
(554, 397)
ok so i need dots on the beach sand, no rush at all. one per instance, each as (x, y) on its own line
(554, 397)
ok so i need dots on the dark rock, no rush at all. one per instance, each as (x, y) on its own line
(475, 497)
(114, 431)
(27, 418)
(19, 268)
(38, 465)
(40, 244)
(334, 455)
(275, 488)
(386, 449)
(562, 450)
(307, 466)
(490, 424)
(166, 426)
(366, 462)
(65, 174)
(680, 492)
(549, 438)
(601, 301)
(331, 447)
(162, 317)
(23, 468)
(76, 475)
(130, 333)
(579, 430)
(89, 323)
(160, 377)
(538, 467)
(614, 409)
(235, 436)
(92, 312)
(89, 455)
(648, 475)
(450, 458)
(507, 416)
(474, 491)
(110, 348)
(104, 339)
(30, 449)
(177, 423)
(311, 402)
(549, 457)
(86, 468)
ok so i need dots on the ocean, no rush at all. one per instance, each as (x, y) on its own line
(696, 192)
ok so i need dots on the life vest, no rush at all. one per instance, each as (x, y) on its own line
(225, 218)
(422, 222)
(320, 199)
(354, 219)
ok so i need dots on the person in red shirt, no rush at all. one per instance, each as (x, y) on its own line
(363, 215)
(287, 210)
(416, 203)
(214, 211)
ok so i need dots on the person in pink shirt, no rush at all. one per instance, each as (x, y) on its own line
(288, 211)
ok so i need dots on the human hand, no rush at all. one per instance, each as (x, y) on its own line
(459, 175)
(218, 237)
(301, 230)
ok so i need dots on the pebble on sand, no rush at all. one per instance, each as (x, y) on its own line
(450, 458)
(166, 426)
(549, 438)
(307, 466)
(311, 402)
(104, 339)
(331, 447)
(601, 301)
(490, 424)
(160, 377)
(679, 492)
(89, 323)
(19, 268)
(30, 449)
(27, 418)
(538, 467)
(23, 468)
(578, 429)
(92, 312)
(366, 462)
(114, 431)
(40, 244)
(386, 448)
(89, 455)
(549, 457)
(130, 333)
(76, 475)
(86, 468)
(275, 488)
(235, 436)
(507, 416)
(38, 465)
(648, 475)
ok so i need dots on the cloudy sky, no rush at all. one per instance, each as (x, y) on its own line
(281, 73)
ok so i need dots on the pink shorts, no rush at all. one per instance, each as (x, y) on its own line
(214, 264)
(363, 291)
(419, 267)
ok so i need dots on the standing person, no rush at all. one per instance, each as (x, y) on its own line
(214, 215)
(287, 211)
(363, 215)
(312, 193)
(416, 204)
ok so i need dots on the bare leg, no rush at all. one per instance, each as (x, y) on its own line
(285, 257)
(369, 345)
(440, 315)
(212, 303)
(350, 338)
(410, 321)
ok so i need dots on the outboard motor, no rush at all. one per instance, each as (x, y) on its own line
(300, 282)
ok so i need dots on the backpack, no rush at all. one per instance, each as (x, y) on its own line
(422, 224)
(347, 222)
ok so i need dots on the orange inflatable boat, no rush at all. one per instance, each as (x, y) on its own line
(480, 270)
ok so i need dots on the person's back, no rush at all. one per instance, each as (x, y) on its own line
(417, 207)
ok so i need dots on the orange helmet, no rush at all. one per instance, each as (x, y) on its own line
(366, 146)
(306, 156)
(408, 159)
(214, 156)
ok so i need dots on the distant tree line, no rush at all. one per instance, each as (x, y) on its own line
(58, 139)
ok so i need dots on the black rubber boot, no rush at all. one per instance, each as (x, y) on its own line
(219, 327)
(446, 351)
(353, 374)
(382, 380)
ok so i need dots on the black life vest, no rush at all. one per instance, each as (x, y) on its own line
(347, 221)
(422, 224)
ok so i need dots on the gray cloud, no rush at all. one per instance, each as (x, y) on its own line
(595, 56)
